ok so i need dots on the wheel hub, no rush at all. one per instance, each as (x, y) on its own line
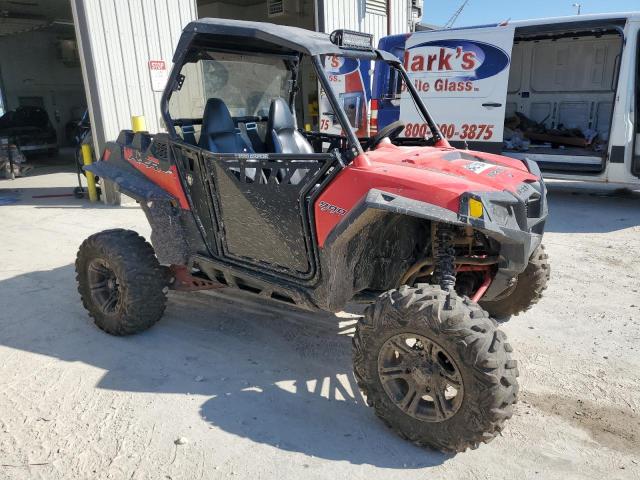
(420, 377)
(104, 285)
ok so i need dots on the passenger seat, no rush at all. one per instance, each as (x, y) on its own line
(282, 134)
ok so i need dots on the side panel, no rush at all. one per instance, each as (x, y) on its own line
(351, 186)
(166, 177)
(260, 209)
(260, 212)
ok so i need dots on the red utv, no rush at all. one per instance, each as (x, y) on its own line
(238, 196)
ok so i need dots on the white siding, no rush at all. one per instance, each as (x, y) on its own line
(353, 15)
(116, 39)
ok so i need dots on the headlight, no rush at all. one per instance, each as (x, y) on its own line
(500, 213)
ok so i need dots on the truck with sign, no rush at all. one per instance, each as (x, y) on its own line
(560, 91)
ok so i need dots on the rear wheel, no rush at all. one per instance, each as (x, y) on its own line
(440, 378)
(120, 281)
(527, 290)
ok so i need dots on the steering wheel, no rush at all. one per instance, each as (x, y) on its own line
(391, 131)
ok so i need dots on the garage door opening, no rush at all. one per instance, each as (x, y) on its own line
(42, 97)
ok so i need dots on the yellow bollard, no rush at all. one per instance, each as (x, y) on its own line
(91, 179)
(138, 124)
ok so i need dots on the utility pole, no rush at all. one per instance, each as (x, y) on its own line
(578, 6)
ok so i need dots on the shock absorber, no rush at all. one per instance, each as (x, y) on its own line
(445, 256)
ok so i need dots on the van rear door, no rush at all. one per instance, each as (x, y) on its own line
(462, 76)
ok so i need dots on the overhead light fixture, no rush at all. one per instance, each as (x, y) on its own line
(351, 39)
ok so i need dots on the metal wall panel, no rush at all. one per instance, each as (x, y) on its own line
(353, 15)
(116, 40)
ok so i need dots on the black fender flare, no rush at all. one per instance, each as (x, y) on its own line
(129, 181)
(390, 202)
(515, 245)
(161, 209)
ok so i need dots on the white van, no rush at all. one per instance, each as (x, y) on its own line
(562, 91)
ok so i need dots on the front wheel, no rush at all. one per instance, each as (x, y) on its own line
(442, 378)
(527, 290)
(120, 281)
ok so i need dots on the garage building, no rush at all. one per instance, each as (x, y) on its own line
(111, 57)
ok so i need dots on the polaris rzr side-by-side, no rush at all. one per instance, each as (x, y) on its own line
(239, 196)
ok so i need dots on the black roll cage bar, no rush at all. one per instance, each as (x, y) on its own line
(356, 148)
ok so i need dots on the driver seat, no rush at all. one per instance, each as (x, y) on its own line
(218, 132)
(282, 134)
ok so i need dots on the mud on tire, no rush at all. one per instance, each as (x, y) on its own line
(528, 288)
(469, 339)
(120, 281)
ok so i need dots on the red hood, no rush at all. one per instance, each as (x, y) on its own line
(487, 171)
(437, 176)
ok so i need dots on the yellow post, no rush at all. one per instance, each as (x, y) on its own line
(138, 124)
(91, 180)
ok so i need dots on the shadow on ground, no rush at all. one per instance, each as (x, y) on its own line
(50, 197)
(594, 210)
(273, 376)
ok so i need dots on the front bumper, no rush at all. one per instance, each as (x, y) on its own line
(516, 221)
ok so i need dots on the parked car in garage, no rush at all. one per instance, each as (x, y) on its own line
(30, 129)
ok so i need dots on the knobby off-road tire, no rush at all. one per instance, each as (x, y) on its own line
(528, 288)
(461, 346)
(121, 283)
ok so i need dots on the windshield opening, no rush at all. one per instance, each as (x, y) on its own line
(239, 103)
(246, 84)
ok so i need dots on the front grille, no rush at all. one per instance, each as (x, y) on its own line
(533, 206)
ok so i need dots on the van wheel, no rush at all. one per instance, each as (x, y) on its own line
(528, 288)
(121, 283)
(439, 378)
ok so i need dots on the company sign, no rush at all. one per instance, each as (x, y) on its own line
(457, 66)
(462, 76)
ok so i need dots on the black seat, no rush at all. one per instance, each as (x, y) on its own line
(282, 134)
(218, 132)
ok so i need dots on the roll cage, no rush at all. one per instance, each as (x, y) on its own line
(292, 45)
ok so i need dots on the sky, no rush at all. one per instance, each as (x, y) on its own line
(478, 12)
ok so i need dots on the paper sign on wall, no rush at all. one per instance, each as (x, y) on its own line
(159, 74)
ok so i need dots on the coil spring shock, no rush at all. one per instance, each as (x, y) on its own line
(445, 268)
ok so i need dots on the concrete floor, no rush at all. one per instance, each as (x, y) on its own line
(262, 393)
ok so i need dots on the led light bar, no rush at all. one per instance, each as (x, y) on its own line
(351, 39)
